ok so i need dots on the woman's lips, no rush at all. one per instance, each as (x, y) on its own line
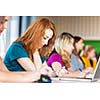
(1, 31)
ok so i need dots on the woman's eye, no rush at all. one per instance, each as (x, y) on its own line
(44, 38)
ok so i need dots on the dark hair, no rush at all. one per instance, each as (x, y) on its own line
(67, 33)
(76, 40)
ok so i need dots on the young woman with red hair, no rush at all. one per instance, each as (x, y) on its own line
(23, 54)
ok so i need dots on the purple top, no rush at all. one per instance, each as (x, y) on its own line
(55, 57)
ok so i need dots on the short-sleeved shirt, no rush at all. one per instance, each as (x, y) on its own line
(55, 57)
(76, 63)
(15, 52)
(89, 63)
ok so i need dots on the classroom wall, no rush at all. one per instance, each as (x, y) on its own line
(85, 26)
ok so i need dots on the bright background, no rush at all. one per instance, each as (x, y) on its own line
(59, 91)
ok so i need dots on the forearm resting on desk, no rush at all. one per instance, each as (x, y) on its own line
(2, 66)
(76, 74)
(19, 76)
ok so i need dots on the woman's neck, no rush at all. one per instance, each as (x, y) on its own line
(77, 50)
(88, 57)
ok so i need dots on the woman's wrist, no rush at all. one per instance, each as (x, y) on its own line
(62, 72)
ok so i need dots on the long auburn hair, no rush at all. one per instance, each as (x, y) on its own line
(33, 35)
(60, 46)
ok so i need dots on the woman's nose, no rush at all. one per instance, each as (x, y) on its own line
(46, 42)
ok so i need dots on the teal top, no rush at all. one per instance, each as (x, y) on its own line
(15, 52)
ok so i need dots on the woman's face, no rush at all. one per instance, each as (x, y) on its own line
(3, 24)
(48, 35)
(91, 54)
(70, 47)
(80, 44)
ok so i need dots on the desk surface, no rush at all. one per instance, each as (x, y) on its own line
(73, 80)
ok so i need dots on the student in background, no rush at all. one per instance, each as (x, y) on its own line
(76, 61)
(89, 57)
(23, 54)
(60, 60)
(3, 25)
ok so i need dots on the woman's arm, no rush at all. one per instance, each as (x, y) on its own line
(58, 69)
(37, 60)
(64, 73)
(75, 74)
(27, 64)
(56, 66)
(2, 66)
(94, 62)
(19, 76)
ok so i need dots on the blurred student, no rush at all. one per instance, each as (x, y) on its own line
(76, 61)
(23, 54)
(89, 57)
(5, 74)
(3, 25)
(60, 60)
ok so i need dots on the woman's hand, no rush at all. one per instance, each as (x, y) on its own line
(89, 70)
(94, 59)
(46, 71)
(62, 72)
(81, 75)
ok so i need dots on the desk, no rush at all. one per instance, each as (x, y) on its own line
(73, 80)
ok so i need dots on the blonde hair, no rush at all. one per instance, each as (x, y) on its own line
(61, 44)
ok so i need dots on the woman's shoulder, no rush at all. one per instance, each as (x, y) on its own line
(17, 46)
(17, 43)
(83, 57)
(73, 55)
(55, 55)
